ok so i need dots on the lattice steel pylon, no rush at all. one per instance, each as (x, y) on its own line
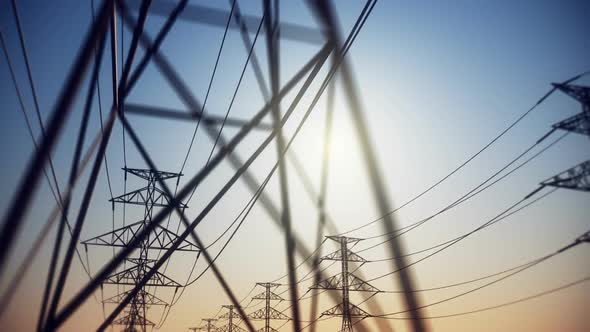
(345, 282)
(577, 177)
(579, 123)
(267, 313)
(86, 67)
(209, 327)
(230, 315)
(150, 197)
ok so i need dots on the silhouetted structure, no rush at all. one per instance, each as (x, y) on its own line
(209, 327)
(230, 316)
(149, 197)
(267, 313)
(577, 177)
(579, 123)
(345, 282)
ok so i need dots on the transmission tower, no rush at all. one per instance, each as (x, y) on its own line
(209, 327)
(579, 123)
(267, 313)
(150, 197)
(577, 177)
(230, 315)
(345, 282)
(329, 43)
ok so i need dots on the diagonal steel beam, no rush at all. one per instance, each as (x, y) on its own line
(326, 15)
(12, 221)
(66, 265)
(174, 114)
(273, 53)
(218, 17)
(83, 294)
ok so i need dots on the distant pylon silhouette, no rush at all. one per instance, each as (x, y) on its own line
(209, 327)
(267, 313)
(579, 123)
(149, 197)
(577, 178)
(345, 282)
(230, 315)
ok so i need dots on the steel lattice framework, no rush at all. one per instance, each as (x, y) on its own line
(150, 196)
(149, 232)
(577, 177)
(345, 282)
(230, 315)
(579, 123)
(267, 313)
(209, 326)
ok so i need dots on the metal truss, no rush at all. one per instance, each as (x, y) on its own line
(147, 298)
(579, 92)
(353, 283)
(209, 326)
(350, 256)
(576, 178)
(579, 123)
(351, 310)
(271, 313)
(267, 313)
(161, 238)
(125, 237)
(230, 328)
(143, 196)
(230, 315)
(130, 276)
(174, 114)
(131, 319)
(151, 175)
(268, 294)
(345, 282)
(92, 49)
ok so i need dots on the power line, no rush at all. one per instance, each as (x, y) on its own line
(254, 198)
(465, 197)
(495, 220)
(444, 178)
(505, 304)
(490, 222)
(585, 238)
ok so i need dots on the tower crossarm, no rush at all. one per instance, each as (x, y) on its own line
(142, 197)
(234, 315)
(579, 123)
(273, 314)
(227, 328)
(347, 240)
(353, 310)
(131, 275)
(354, 284)
(579, 92)
(161, 238)
(577, 178)
(133, 318)
(148, 298)
(267, 329)
(272, 297)
(350, 257)
(151, 175)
